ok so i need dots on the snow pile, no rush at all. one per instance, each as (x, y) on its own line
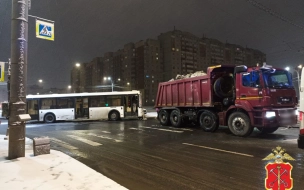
(190, 75)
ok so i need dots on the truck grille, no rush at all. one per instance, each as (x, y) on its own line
(284, 100)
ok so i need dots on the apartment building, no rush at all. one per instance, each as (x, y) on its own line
(142, 65)
(149, 68)
(78, 78)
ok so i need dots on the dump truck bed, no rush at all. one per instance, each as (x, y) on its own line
(192, 92)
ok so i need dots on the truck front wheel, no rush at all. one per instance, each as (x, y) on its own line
(163, 117)
(208, 121)
(175, 118)
(239, 124)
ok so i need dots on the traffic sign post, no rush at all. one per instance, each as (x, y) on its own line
(17, 99)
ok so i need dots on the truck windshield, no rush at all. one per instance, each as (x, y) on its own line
(277, 79)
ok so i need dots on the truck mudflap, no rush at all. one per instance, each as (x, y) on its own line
(301, 141)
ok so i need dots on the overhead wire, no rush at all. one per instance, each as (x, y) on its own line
(279, 16)
(274, 13)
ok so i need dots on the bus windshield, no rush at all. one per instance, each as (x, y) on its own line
(277, 79)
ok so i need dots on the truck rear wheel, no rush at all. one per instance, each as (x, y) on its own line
(266, 130)
(163, 117)
(239, 124)
(208, 121)
(175, 118)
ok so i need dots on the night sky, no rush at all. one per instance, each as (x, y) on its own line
(85, 29)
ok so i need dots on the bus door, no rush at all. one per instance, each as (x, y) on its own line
(131, 105)
(82, 107)
(32, 109)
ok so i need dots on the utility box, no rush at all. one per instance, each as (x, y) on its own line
(41, 146)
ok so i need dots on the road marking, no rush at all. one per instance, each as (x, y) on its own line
(168, 130)
(155, 157)
(227, 151)
(136, 129)
(103, 137)
(184, 129)
(105, 131)
(63, 144)
(174, 131)
(92, 143)
(290, 139)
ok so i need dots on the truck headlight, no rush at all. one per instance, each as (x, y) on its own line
(297, 112)
(270, 114)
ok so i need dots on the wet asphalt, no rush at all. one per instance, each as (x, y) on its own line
(145, 155)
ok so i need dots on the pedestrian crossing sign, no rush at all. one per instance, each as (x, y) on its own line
(44, 30)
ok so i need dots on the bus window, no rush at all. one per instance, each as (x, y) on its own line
(97, 101)
(114, 100)
(65, 103)
(48, 103)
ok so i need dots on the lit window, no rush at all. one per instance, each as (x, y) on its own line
(156, 58)
(177, 49)
(173, 49)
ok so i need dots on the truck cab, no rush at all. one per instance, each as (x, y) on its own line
(268, 96)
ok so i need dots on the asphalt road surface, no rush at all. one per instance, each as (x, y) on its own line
(145, 155)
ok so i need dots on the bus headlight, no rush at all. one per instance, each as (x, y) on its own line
(270, 114)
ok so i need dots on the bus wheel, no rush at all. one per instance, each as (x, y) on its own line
(49, 118)
(239, 124)
(113, 116)
(175, 118)
(266, 130)
(163, 117)
(208, 121)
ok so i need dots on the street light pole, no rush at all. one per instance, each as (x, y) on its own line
(110, 79)
(112, 85)
(18, 80)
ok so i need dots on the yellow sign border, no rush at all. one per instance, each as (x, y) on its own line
(47, 24)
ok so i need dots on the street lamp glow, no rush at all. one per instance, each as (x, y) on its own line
(118, 79)
(287, 68)
(128, 83)
(300, 66)
(110, 79)
(40, 80)
(77, 64)
(69, 87)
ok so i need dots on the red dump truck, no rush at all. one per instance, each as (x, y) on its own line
(237, 96)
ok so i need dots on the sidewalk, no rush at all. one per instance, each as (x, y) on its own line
(50, 171)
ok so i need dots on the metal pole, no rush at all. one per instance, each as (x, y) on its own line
(18, 80)
(112, 85)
